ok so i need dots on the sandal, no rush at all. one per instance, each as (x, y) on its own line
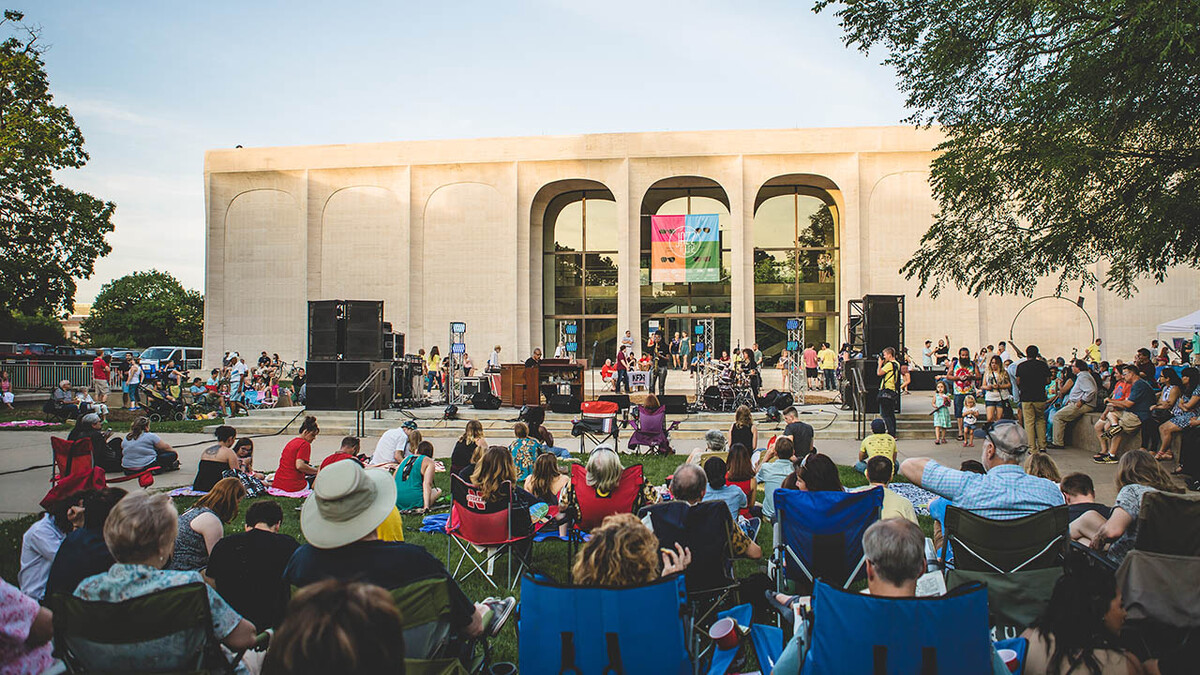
(1164, 456)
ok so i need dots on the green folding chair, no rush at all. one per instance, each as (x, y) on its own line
(169, 631)
(425, 613)
(1020, 560)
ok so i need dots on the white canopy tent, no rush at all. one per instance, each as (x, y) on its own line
(1184, 324)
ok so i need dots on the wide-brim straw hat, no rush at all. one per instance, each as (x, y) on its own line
(347, 503)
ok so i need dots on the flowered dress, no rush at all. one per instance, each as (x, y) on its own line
(941, 412)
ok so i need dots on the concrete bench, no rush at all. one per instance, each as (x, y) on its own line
(1082, 436)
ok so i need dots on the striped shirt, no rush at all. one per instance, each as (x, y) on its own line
(1005, 492)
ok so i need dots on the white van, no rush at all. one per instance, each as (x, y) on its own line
(153, 357)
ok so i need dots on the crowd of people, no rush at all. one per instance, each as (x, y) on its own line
(112, 546)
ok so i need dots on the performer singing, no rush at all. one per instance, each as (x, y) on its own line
(749, 367)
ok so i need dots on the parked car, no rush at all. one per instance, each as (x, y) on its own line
(154, 357)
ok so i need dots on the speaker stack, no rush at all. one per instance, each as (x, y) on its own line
(346, 343)
(883, 324)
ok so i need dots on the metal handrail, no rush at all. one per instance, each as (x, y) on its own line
(858, 390)
(371, 385)
(45, 375)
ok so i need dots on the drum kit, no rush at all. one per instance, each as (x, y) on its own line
(728, 388)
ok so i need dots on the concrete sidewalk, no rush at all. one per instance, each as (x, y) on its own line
(20, 492)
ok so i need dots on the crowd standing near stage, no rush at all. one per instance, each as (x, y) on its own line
(109, 545)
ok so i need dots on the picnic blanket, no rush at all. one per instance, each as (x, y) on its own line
(27, 423)
(274, 492)
(919, 497)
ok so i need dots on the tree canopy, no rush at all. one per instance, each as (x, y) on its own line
(1071, 135)
(144, 309)
(50, 235)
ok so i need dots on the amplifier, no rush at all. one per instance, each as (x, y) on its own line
(471, 386)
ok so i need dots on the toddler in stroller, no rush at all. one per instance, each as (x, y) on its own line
(159, 403)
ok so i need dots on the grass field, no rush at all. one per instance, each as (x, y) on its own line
(550, 557)
(118, 420)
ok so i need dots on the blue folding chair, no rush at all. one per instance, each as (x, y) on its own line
(581, 631)
(818, 535)
(856, 633)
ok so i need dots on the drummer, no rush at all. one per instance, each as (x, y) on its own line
(749, 368)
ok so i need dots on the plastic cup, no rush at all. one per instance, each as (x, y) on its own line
(725, 633)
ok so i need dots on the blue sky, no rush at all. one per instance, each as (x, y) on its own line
(155, 84)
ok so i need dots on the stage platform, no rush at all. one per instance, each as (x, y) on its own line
(829, 421)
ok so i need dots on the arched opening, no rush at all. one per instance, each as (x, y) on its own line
(796, 258)
(579, 266)
(674, 307)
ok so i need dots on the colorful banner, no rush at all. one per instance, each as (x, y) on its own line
(685, 249)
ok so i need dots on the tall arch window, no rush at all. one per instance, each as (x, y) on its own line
(579, 271)
(675, 307)
(795, 265)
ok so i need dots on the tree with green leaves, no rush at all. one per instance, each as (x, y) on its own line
(144, 309)
(50, 235)
(1070, 135)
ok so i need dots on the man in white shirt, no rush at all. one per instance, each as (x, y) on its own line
(493, 363)
(237, 378)
(627, 340)
(133, 379)
(393, 444)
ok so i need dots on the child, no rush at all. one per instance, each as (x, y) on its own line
(244, 449)
(941, 413)
(86, 401)
(970, 417)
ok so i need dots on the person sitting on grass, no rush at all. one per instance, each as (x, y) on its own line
(339, 521)
(143, 449)
(624, 552)
(216, 460)
(880, 471)
(349, 450)
(879, 443)
(1137, 473)
(203, 525)
(338, 626)
(1080, 494)
(247, 567)
(295, 471)
(414, 480)
(140, 533)
(83, 553)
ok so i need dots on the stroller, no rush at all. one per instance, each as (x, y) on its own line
(158, 406)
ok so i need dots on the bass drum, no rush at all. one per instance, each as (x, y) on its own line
(713, 399)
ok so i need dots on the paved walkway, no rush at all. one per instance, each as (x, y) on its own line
(20, 492)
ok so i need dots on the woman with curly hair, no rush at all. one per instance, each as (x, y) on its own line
(624, 552)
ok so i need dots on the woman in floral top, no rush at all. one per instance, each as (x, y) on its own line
(524, 450)
(140, 534)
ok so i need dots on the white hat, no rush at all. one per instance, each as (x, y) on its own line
(347, 503)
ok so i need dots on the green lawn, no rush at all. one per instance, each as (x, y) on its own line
(550, 556)
(118, 420)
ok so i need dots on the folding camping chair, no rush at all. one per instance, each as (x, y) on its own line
(650, 429)
(486, 525)
(1020, 560)
(819, 535)
(1161, 612)
(597, 423)
(166, 631)
(705, 529)
(857, 633)
(591, 508)
(74, 470)
(425, 610)
(593, 631)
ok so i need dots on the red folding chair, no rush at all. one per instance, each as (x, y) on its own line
(73, 470)
(475, 522)
(592, 509)
(597, 423)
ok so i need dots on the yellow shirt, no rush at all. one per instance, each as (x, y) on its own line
(897, 506)
(879, 444)
(391, 529)
(828, 359)
(1093, 352)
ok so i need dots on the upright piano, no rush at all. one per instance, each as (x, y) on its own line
(527, 386)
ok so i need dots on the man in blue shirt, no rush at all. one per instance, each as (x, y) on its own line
(1132, 411)
(1005, 492)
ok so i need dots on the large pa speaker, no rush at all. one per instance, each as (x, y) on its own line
(345, 330)
(564, 403)
(883, 324)
(676, 404)
(923, 380)
(331, 384)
